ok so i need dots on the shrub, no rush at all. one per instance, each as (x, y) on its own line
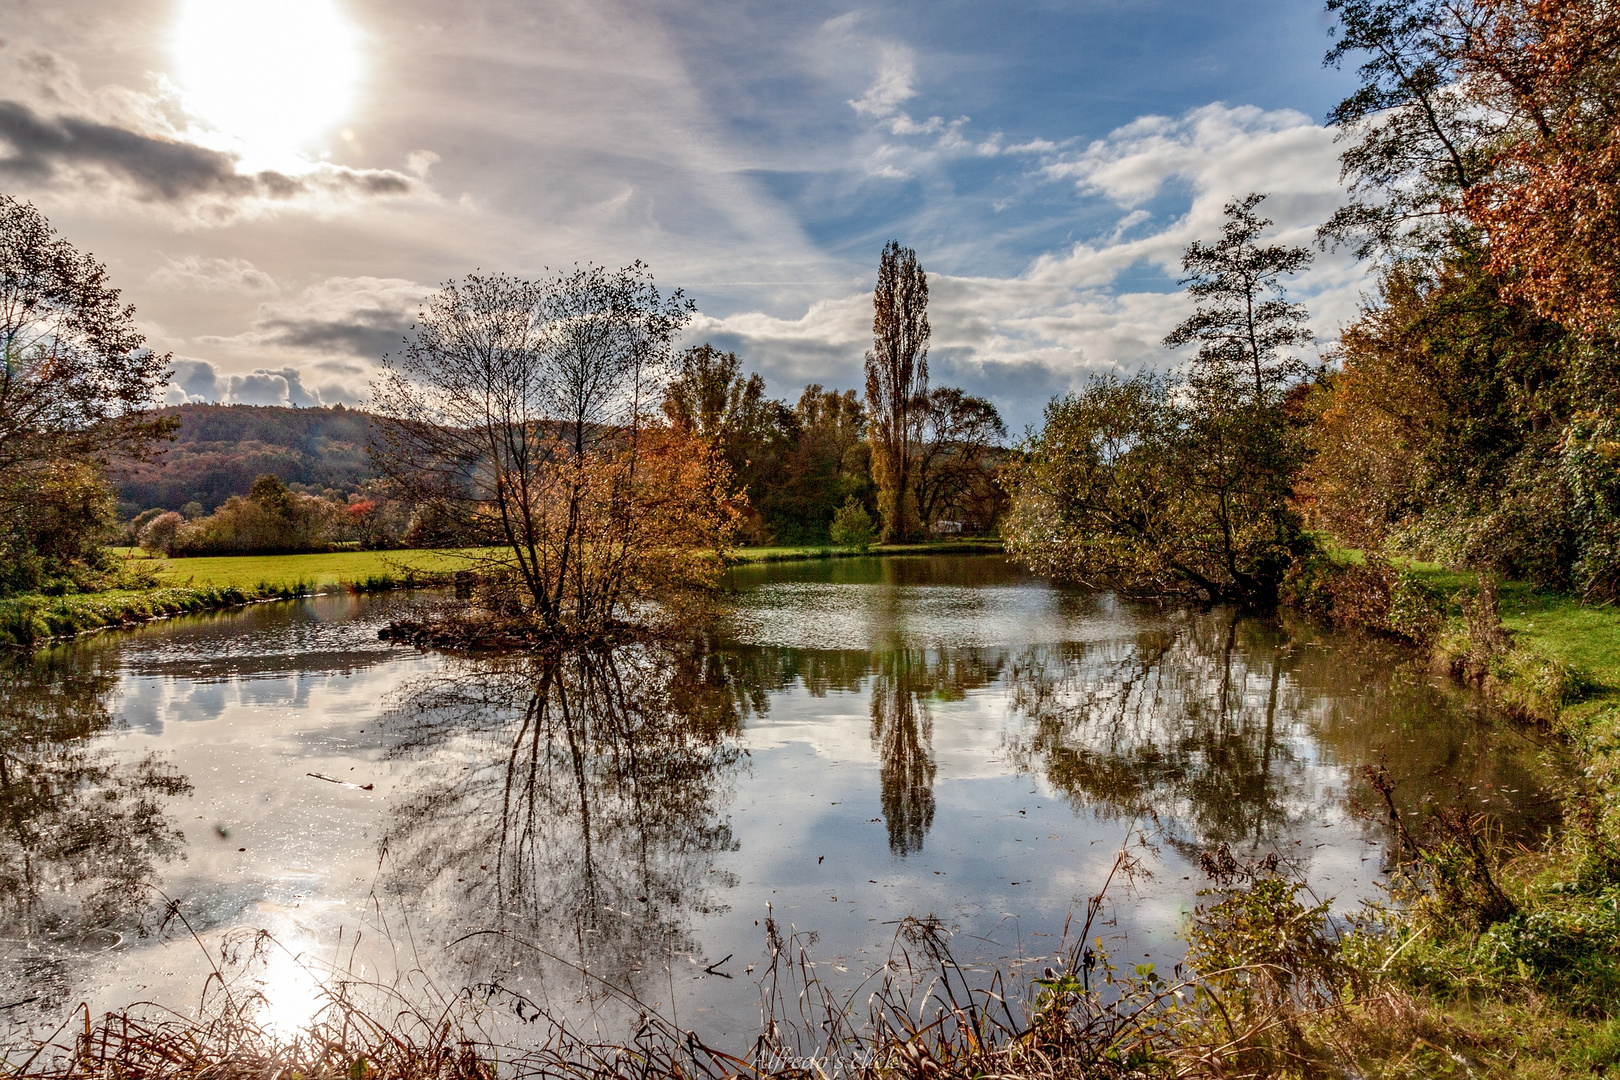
(157, 535)
(1374, 595)
(130, 534)
(54, 520)
(269, 520)
(853, 527)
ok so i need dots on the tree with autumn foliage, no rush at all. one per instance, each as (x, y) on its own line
(520, 412)
(1483, 157)
(897, 387)
(1550, 204)
(78, 386)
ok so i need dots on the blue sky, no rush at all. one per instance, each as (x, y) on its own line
(1048, 161)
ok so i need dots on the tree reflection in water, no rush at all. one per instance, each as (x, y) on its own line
(903, 736)
(570, 807)
(82, 828)
(1231, 728)
(904, 682)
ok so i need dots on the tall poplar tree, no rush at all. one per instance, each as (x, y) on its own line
(897, 387)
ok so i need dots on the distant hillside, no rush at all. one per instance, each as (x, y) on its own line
(221, 448)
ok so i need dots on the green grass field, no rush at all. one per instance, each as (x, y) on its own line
(347, 567)
(316, 571)
(1586, 636)
(938, 547)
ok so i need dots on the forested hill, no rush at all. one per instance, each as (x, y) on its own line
(220, 449)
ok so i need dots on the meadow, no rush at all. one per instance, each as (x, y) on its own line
(352, 568)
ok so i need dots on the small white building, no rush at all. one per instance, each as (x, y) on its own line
(946, 528)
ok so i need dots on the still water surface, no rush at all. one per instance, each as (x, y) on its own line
(277, 793)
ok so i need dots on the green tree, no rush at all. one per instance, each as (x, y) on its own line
(1181, 486)
(852, 526)
(1244, 325)
(1413, 142)
(824, 461)
(955, 469)
(897, 387)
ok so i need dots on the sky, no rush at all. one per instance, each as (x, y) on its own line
(277, 185)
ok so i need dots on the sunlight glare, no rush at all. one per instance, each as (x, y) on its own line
(274, 74)
(292, 995)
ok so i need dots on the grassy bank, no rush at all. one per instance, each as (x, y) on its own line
(28, 620)
(795, 554)
(332, 568)
(1507, 960)
(161, 588)
(184, 586)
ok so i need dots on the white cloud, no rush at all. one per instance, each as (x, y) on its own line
(195, 273)
(1068, 313)
(892, 87)
(419, 162)
(197, 381)
(1216, 148)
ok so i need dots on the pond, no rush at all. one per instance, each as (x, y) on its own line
(276, 795)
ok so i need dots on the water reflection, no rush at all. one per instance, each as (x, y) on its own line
(1231, 728)
(83, 829)
(569, 807)
(902, 736)
(950, 735)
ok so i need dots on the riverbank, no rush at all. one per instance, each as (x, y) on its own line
(163, 588)
(1547, 656)
(1506, 959)
(214, 583)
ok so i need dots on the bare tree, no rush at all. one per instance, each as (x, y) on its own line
(897, 386)
(518, 413)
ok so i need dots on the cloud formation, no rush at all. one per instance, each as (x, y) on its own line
(1102, 304)
(758, 156)
(1105, 303)
(41, 148)
(197, 381)
(196, 274)
(362, 318)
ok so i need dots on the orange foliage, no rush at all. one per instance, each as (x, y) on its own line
(1551, 69)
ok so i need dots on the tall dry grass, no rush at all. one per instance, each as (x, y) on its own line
(1273, 999)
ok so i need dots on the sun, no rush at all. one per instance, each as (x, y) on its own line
(274, 76)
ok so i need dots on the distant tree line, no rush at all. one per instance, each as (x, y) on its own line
(218, 451)
(800, 464)
(799, 468)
